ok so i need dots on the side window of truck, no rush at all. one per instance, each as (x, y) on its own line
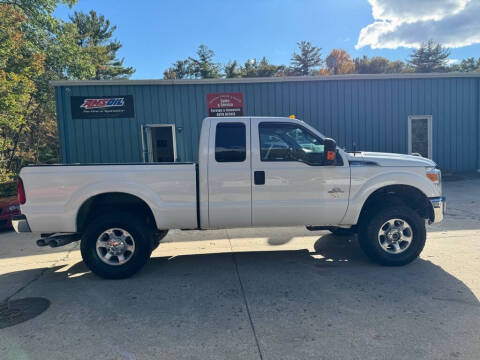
(289, 142)
(230, 142)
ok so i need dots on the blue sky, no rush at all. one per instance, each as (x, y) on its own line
(156, 33)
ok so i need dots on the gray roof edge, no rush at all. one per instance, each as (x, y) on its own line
(265, 79)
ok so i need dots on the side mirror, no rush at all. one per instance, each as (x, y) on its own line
(329, 152)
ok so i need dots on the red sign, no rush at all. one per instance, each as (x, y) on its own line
(225, 104)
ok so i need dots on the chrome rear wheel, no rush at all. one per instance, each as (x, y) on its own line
(115, 246)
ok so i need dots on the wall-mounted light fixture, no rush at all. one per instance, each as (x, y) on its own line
(179, 129)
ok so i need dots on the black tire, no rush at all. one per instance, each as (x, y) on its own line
(337, 231)
(157, 237)
(141, 233)
(369, 236)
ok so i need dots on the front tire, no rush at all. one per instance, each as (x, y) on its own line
(393, 236)
(116, 245)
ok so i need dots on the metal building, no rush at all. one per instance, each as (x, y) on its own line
(115, 121)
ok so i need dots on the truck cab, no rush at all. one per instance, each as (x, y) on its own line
(269, 171)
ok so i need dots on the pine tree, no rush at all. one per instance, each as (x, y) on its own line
(203, 66)
(95, 36)
(430, 57)
(307, 60)
(232, 70)
(469, 65)
(253, 68)
(179, 70)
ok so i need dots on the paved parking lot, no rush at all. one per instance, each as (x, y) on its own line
(278, 293)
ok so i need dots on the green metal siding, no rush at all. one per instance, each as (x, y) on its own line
(372, 113)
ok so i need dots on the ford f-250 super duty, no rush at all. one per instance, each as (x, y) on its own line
(252, 172)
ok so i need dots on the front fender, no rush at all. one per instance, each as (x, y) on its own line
(366, 180)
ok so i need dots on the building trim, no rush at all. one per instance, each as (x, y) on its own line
(265, 79)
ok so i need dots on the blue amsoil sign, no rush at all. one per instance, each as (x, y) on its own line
(88, 107)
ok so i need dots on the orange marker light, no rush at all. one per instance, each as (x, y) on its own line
(432, 176)
(292, 116)
(330, 155)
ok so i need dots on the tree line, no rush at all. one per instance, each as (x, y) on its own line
(36, 48)
(307, 60)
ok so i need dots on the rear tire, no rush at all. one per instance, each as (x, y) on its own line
(116, 245)
(393, 236)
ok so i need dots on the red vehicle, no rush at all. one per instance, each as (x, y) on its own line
(8, 207)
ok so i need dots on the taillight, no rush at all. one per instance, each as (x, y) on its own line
(21, 191)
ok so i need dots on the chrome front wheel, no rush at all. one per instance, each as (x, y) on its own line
(395, 236)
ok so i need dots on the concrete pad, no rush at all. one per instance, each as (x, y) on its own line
(284, 293)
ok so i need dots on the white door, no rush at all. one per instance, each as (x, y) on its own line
(420, 135)
(229, 173)
(159, 143)
(289, 186)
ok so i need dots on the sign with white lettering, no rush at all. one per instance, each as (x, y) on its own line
(88, 107)
(225, 104)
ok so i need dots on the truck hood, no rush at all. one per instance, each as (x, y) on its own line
(389, 159)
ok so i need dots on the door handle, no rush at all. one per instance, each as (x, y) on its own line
(259, 177)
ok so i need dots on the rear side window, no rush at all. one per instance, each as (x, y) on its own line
(230, 142)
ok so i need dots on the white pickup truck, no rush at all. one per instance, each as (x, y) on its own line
(252, 172)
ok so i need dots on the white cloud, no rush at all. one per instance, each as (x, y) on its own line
(408, 23)
(453, 61)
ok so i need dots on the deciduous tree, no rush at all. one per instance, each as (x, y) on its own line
(339, 62)
(20, 64)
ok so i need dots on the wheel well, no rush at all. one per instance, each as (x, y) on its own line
(113, 201)
(398, 195)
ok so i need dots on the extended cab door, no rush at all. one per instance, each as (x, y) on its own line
(290, 186)
(229, 173)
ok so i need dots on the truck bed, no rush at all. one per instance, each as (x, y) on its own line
(54, 193)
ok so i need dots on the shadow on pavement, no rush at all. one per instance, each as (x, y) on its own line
(332, 303)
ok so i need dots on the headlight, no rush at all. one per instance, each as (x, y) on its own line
(434, 175)
(13, 208)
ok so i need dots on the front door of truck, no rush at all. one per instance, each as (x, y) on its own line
(229, 173)
(289, 184)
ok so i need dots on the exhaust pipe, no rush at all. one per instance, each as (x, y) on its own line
(53, 243)
(42, 242)
(58, 240)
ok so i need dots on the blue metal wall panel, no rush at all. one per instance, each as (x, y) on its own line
(373, 113)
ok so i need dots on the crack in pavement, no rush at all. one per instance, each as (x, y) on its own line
(244, 297)
(41, 273)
